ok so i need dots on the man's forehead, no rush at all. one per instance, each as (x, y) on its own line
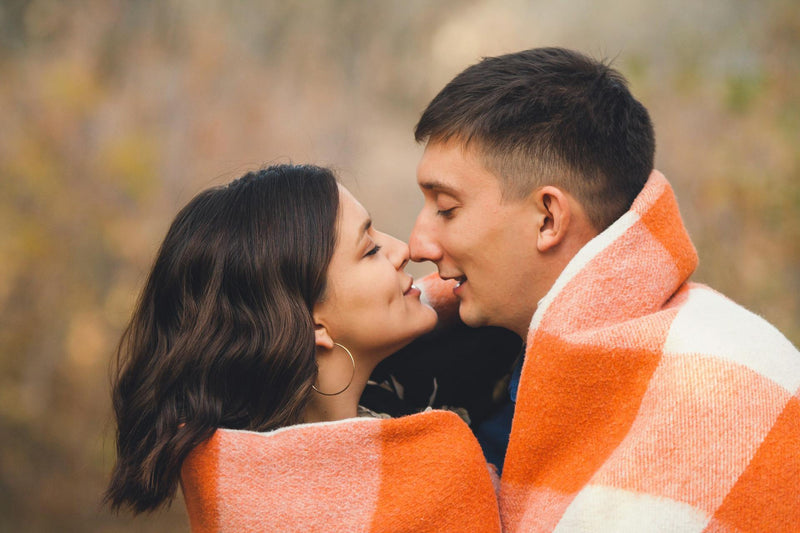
(451, 168)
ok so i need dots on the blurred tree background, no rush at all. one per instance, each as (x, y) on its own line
(114, 114)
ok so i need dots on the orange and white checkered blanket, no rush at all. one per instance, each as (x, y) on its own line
(648, 403)
(417, 473)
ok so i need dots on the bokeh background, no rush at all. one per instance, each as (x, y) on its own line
(114, 114)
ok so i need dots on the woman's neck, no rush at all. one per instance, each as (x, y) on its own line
(323, 408)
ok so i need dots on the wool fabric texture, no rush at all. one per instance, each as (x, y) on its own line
(419, 473)
(648, 402)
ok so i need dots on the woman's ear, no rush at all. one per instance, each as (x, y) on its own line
(556, 214)
(322, 338)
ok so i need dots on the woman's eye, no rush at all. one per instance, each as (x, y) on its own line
(373, 251)
(446, 213)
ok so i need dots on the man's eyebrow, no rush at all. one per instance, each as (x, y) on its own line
(436, 185)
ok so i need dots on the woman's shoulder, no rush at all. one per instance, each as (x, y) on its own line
(365, 412)
(418, 468)
(368, 426)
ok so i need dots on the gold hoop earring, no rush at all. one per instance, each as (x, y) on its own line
(352, 360)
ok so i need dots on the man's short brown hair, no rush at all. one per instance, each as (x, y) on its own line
(549, 116)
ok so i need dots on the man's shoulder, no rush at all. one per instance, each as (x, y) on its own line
(710, 324)
(718, 314)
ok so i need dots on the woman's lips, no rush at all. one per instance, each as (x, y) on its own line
(412, 290)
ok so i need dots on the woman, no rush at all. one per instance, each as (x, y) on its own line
(269, 304)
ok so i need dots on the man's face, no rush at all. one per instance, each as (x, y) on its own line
(474, 236)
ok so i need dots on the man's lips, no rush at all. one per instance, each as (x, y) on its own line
(460, 283)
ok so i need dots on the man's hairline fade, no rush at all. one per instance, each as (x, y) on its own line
(513, 186)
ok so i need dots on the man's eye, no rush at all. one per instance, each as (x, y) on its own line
(373, 251)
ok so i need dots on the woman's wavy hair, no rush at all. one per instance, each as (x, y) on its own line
(222, 335)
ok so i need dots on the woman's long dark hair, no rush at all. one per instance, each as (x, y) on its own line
(222, 335)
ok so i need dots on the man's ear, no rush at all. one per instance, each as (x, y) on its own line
(555, 217)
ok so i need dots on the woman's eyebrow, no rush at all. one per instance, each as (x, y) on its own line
(364, 228)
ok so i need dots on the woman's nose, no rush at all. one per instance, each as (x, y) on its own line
(398, 252)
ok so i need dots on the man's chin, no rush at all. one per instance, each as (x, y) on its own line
(469, 317)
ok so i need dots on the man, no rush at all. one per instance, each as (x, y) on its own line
(644, 402)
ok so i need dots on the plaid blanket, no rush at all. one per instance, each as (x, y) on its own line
(649, 403)
(417, 473)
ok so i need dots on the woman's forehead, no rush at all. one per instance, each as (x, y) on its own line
(354, 220)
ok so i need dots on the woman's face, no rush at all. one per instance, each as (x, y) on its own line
(370, 305)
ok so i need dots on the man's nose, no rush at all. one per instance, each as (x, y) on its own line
(422, 243)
